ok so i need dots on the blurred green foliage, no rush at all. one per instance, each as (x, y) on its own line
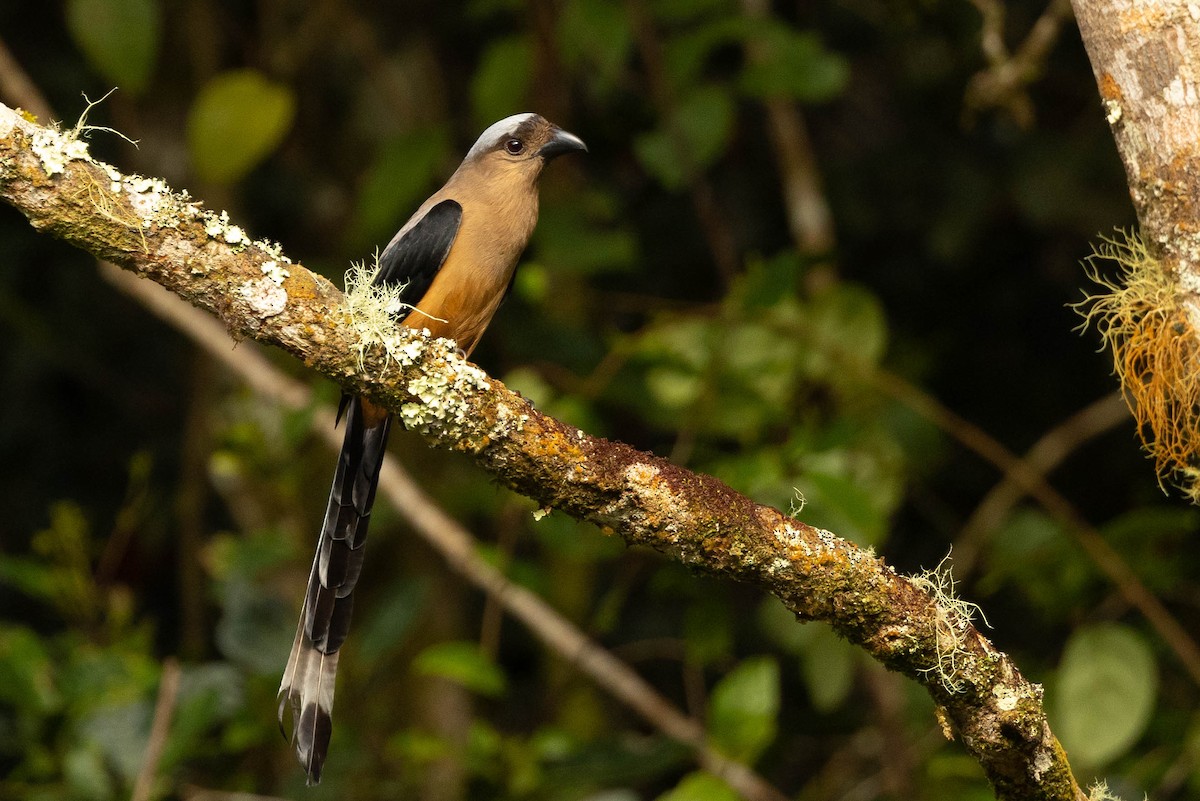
(238, 119)
(156, 509)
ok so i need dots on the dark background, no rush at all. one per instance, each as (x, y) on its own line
(156, 508)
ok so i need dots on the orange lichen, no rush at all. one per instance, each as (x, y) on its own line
(1109, 89)
(1156, 355)
(1141, 18)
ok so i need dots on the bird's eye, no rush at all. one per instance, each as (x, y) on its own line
(514, 147)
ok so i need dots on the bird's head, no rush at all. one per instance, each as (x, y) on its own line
(524, 142)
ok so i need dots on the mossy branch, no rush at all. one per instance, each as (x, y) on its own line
(910, 626)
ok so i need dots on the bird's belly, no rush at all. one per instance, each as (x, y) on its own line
(460, 304)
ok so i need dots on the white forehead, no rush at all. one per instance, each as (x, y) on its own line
(491, 136)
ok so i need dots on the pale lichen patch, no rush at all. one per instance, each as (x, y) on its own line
(9, 119)
(1006, 699)
(790, 536)
(148, 197)
(265, 297)
(1042, 762)
(445, 391)
(274, 271)
(641, 474)
(55, 148)
(1112, 111)
(217, 226)
(507, 422)
(1100, 792)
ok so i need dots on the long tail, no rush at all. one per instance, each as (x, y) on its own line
(307, 686)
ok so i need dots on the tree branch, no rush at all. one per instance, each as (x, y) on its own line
(908, 626)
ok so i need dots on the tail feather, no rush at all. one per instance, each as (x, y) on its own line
(308, 681)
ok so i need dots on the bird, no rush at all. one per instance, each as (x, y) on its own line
(455, 260)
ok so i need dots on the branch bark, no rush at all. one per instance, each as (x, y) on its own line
(907, 625)
(1146, 59)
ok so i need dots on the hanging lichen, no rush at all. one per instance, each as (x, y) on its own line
(1142, 318)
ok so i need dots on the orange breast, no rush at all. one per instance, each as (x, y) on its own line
(496, 226)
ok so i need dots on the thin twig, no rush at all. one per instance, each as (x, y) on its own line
(15, 84)
(1003, 82)
(1032, 482)
(164, 709)
(713, 222)
(1047, 453)
(810, 220)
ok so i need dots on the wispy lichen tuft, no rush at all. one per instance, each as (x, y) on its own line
(1100, 792)
(1141, 317)
(54, 147)
(953, 617)
(442, 393)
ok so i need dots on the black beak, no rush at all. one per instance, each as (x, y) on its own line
(561, 142)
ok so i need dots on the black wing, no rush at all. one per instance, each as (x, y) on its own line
(415, 258)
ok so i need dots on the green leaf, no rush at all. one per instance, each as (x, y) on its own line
(236, 121)
(827, 665)
(708, 627)
(705, 118)
(594, 35)
(462, 663)
(417, 747)
(827, 662)
(1107, 685)
(26, 672)
(691, 140)
(1152, 537)
(609, 760)
(688, 53)
(659, 156)
(850, 319)
(700, 786)
(501, 83)
(793, 65)
(782, 627)
(118, 37)
(673, 389)
(569, 238)
(86, 775)
(209, 694)
(685, 11)
(768, 282)
(566, 538)
(1031, 556)
(404, 170)
(744, 707)
(843, 504)
(120, 733)
(391, 618)
(254, 627)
